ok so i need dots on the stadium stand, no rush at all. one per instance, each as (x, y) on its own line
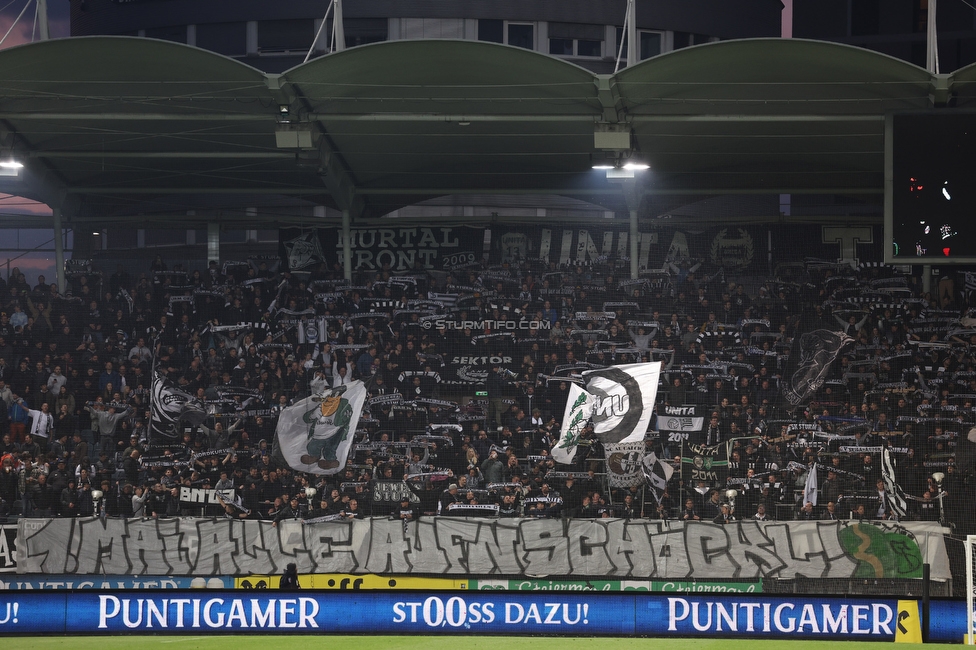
(887, 435)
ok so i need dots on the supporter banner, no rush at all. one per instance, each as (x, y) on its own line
(475, 613)
(624, 466)
(733, 249)
(390, 492)
(402, 249)
(198, 496)
(678, 424)
(568, 245)
(792, 243)
(474, 368)
(703, 463)
(650, 549)
(313, 435)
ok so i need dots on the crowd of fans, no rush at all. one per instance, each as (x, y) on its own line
(249, 339)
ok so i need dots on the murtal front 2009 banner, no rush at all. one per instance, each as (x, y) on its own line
(399, 249)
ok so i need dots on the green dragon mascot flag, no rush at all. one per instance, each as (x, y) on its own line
(315, 435)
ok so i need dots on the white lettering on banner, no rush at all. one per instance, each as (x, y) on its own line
(11, 614)
(848, 238)
(403, 248)
(8, 549)
(205, 497)
(665, 550)
(390, 238)
(679, 410)
(481, 361)
(787, 617)
(235, 613)
(435, 612)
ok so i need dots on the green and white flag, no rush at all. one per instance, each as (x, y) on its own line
(315, 435)
(579, 407)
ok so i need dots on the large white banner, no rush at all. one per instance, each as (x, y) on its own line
(623, 400)
(640, 548)
(618, 401)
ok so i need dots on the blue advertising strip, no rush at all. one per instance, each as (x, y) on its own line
(30, 613)
(109, 583)
(351, 613)
(714, 615)
(947, 621)
(424, 612)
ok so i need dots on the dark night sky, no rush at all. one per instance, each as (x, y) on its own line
(58, 11)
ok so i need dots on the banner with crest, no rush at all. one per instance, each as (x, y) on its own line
(400, 249)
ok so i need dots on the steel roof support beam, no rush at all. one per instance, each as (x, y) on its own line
(757, 118)
(218, 155)
(59, 251)
(346, 247)
(140, 117)
(333, 168)
(448, 118)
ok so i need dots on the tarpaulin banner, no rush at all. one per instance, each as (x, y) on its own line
(440, 248)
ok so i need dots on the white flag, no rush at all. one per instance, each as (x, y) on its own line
(810, 489)
(316, 434)
(577, 414)
(623, 400)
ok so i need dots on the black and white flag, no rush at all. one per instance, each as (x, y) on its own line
(809, 361)
(623, 399)
(656, 475)
(170, 408)
(896, 496)
(617, 401)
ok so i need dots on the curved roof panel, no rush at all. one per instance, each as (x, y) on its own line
(797, 114)
(131, 67)
(121, 122)
(449, 76)
(773, 76)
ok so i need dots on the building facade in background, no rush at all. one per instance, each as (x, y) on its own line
(275, 36)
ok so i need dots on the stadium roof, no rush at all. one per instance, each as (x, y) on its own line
(114, 127)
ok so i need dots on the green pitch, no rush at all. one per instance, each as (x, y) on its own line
(261, 642)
